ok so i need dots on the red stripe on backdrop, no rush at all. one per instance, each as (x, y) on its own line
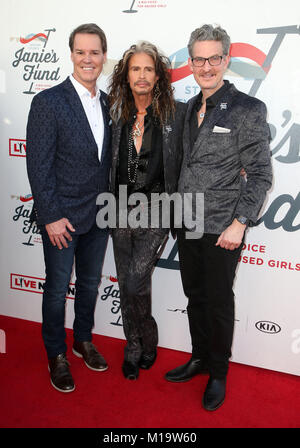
(26, 41)
(239, 49)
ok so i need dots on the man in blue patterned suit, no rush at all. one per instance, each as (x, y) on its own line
(68, 163)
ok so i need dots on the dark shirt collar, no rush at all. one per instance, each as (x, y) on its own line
(212, 100)
(149, 110)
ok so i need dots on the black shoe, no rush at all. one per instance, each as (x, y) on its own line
(60, 376)
(186, 372)
(92, 358)
(147, 360)
(130, 370)
(214, 394)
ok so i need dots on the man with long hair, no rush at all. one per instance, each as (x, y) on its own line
(147, 129)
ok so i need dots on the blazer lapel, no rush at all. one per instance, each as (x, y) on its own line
(116, 137)
(186, 130)
(76, 106)
(106, 119)
(216, 116)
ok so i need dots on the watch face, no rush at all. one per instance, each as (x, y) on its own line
(242, 219)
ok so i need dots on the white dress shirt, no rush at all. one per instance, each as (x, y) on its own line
(93, 111)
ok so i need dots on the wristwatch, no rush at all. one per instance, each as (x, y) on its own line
(242, 220)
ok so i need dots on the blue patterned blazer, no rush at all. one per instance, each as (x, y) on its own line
(63, 168)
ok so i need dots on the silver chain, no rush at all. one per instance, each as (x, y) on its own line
(133, 162)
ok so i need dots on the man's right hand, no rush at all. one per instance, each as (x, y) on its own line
(58, 232)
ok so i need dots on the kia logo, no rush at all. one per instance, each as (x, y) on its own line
(268, 327)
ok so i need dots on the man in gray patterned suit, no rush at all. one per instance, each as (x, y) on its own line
(225, 132)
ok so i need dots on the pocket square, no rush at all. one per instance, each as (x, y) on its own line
(220, 130)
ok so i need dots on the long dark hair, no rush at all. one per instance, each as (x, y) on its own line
(120, 96)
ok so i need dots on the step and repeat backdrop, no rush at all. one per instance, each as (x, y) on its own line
(265, 63)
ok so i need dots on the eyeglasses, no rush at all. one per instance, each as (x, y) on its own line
(212, 60)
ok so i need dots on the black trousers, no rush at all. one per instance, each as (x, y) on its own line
(207, 273)
(136, 252)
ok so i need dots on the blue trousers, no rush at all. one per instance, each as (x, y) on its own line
(88, 250)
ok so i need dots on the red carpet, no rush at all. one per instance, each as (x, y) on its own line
(256, 398)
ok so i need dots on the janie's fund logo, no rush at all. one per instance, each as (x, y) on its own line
(22, 216)
(37, 61)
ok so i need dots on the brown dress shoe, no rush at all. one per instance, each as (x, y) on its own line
(92, 358)
(60, 375)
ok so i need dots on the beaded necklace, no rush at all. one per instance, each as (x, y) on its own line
(133, 162)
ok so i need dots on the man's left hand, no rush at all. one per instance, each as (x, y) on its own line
(231, 237)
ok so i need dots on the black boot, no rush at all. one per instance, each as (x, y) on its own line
(214, 394)
(130, 370)
(187, 371)
(147, 360)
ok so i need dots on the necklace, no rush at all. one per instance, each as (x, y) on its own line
(136, 131)
(202, 114)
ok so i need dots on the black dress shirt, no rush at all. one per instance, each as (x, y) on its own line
(211, 102)
(150, 171)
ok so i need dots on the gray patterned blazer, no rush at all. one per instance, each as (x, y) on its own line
(213, 165)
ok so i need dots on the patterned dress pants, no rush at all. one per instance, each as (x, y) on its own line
(136, 252)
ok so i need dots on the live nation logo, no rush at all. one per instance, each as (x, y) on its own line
(34, 284)
(108, 290)
(17, 147)
(37, 61)
(21, 216)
